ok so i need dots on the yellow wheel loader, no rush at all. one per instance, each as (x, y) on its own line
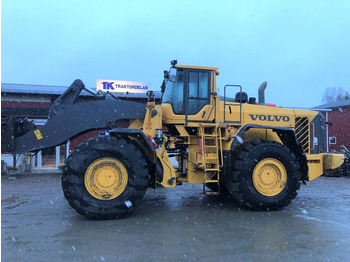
(255, 152)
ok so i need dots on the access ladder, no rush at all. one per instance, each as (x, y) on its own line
(210, 145)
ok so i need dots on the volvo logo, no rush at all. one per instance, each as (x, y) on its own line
(269, 118)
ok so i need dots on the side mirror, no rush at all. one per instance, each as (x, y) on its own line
(172, 74)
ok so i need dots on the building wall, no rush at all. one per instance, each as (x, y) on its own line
(339, 131)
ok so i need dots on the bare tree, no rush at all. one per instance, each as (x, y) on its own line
(333, 94)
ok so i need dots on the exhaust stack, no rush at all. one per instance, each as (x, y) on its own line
(261, 93)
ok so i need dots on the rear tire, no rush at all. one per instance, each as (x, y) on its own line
(104, 177)
(266, 176)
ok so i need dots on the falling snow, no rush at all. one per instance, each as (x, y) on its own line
(128, 203)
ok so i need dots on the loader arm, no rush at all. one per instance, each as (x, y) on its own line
(68, 119)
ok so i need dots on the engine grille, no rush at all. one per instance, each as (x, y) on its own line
(302, 132)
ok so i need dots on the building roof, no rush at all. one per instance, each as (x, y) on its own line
(58, 90)
(342, 103)
(32, 89)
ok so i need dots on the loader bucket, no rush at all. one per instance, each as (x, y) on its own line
(11, 129)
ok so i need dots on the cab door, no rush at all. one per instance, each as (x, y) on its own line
(198, 90)
(197, 94)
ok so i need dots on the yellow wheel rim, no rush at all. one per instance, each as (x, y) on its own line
(269, 177)
(106, 178)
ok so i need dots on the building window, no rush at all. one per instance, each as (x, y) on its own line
(332, 140)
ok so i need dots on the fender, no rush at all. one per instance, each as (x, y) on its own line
(137, 135)
(245, 128)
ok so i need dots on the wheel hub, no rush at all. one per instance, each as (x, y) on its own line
(106, 178)
(269, 177)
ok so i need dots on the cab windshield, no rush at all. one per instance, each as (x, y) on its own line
(174, 93)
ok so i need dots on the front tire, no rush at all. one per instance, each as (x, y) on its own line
(104, 177)
(265, 176)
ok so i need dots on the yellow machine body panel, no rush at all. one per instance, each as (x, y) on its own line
(229, 121)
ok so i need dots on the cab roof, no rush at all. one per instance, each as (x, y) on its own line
(197, 67)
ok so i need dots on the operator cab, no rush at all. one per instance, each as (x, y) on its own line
(187, 88)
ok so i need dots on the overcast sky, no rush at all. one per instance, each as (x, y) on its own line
(298, 47)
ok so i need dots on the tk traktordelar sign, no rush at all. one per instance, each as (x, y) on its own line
(122, 86)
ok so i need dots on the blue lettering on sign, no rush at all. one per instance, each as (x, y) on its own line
(108, 85)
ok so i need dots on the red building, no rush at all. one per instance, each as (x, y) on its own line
(338, 132)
